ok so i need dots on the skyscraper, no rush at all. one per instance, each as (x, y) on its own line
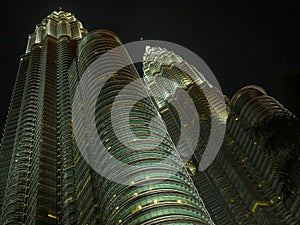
(32, 184)
(45, 156)
(242, 185)
(160, 62)
(45, 179)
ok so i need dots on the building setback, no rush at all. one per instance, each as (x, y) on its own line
(242, 185)
(44, 178)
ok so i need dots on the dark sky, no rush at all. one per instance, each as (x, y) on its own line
(243, 43)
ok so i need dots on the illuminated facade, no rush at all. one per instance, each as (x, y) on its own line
(240, 186)
(45, 180)
(159, 62)
(244, 167)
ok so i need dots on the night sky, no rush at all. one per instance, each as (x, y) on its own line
(242, 43)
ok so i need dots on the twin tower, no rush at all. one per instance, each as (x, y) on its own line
(46, 175)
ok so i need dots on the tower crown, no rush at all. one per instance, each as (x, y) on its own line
(60, 15)
(58, 24)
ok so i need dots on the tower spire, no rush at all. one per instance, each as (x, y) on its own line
(60, 8)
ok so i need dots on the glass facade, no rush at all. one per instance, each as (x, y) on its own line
(37, 145)
(159, 62)
(172, 200)
(241, 186)
(45, 179)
